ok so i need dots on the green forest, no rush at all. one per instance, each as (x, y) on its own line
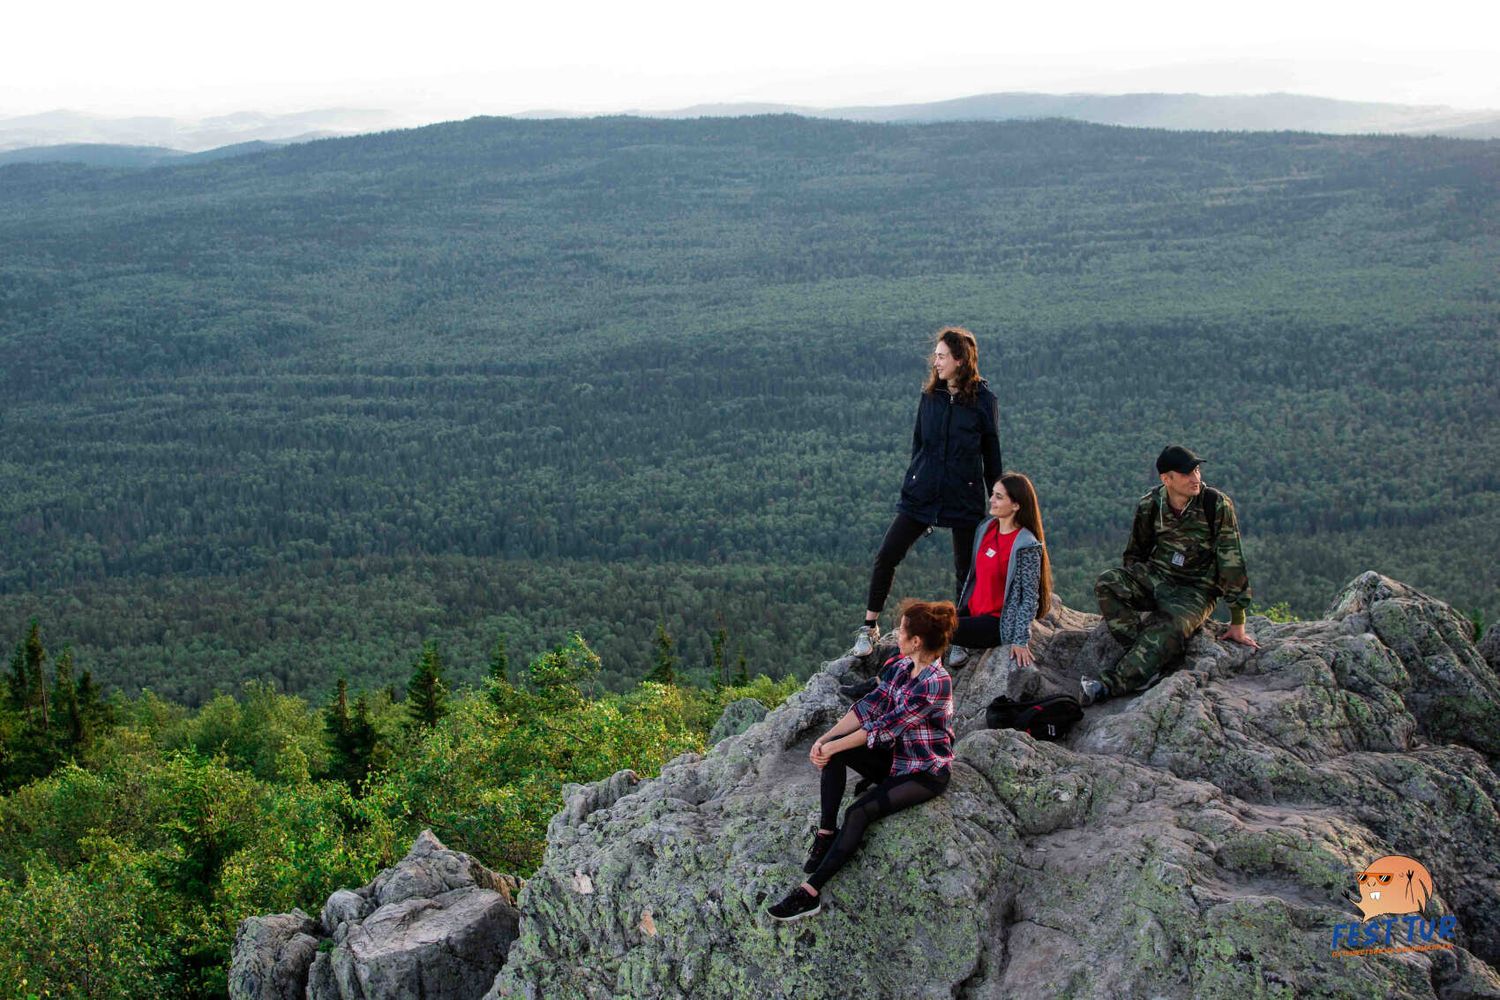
(376, 484)
(289, 415)
(135, 834)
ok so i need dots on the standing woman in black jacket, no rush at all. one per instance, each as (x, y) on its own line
(955, 460)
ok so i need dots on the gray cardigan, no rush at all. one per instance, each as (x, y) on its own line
(1023, 584)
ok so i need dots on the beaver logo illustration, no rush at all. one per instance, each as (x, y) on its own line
(1393, 884)
(1393, 895)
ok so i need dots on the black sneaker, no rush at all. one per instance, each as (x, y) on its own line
(858, 689)
(821, 843)
(799, 903)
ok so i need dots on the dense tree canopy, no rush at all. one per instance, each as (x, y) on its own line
(132, 843)
(287, 415)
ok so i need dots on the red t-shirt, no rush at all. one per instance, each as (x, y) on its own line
(990, 565)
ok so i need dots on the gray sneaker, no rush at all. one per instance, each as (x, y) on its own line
(865, 639)
(956, 656)
(1093, 691)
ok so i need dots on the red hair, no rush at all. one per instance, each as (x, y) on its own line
(930, 622)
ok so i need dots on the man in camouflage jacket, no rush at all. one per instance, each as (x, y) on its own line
(1184, 554)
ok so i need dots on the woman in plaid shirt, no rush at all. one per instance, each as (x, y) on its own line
(899, 736)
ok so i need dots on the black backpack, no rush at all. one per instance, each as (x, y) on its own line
(1047, 718)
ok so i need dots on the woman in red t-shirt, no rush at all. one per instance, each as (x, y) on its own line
(1010, 584)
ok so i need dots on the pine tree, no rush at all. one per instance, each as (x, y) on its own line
(65, 707)
(426, 693)
(742, 669)
(721, 639)
(15, 678)
(362, 743)
(91, 709)
(351, 735)
(497, 685)
(665, 671)
(336, 724)
(499, 665)
(34, 674)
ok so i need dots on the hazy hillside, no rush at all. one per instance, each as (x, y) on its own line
(1201, 112)
(62, 127)
(287, 414)
(77, 137)
(103, 155)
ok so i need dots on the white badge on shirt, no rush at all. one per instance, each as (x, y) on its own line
(1178, 560)
(989, 553)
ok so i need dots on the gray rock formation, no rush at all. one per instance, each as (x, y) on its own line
(737, 717)
(1489, 647)
(272, 955)
(1197, 840)
(437, 926)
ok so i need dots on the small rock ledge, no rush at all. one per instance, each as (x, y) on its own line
(437, 925)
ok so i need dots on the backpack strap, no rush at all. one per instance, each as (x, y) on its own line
(1155, 495)
(1211, 498)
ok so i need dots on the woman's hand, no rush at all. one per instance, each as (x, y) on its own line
(818, 755)
(1022, 656)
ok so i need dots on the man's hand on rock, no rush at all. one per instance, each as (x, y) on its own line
(1237, 633)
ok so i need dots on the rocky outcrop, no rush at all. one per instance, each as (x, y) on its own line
(272, 955)
(1489, 647)
(436, 926)
(1197, 840)
(737, 717)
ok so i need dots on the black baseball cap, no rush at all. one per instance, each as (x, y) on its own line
(1176, 458)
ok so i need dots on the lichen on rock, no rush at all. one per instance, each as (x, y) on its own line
(1197, 840)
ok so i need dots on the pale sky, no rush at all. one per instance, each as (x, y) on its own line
(442, 59)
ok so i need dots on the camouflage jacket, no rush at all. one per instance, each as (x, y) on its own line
(1178, 548)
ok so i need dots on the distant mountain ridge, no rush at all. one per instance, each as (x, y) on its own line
(1191, 112)
(76, 137)
(187, 135)
(98, 154)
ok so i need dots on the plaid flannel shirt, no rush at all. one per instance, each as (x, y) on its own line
(912, 715)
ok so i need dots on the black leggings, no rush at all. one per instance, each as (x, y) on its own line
(893, 794)
(977, 631)
(899, 538)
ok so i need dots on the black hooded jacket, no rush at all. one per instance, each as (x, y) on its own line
(955, 458)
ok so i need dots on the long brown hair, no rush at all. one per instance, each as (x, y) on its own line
(965, 350)
(1018, 487)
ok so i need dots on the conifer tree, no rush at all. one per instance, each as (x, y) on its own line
(336, 723)
(91, 708)
(742, 669)
(65, 707)
(665, 671)
(362, 743)
(497, 685)
(426, 692)
(351, 735)
(720, 640)
(15, 678)
(34, 675)
(499, 666)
